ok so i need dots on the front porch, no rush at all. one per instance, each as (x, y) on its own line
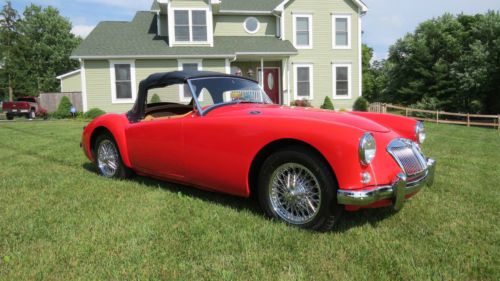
(274, 79)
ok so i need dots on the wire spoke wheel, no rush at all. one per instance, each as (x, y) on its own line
(295, 193)
(107, 158)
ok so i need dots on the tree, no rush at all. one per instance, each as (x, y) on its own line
(8, 43)
(449, 63)
(155, 99)
(47, 43)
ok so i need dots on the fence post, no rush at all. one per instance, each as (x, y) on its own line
(437, 116)
(406, 112)
(498, 122)
(468, 119)
(384, 108)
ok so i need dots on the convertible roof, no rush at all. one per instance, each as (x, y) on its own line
(159, 80)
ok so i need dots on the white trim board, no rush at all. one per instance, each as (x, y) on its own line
(68, 74)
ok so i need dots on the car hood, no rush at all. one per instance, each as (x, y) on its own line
(320, 115)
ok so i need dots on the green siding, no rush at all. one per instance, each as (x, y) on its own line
(322, 55)
(233, 26)
(99, 81)
(72, 83)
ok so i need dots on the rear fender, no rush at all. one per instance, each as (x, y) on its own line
(116, 125)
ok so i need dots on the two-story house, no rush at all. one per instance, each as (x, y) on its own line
(296, 49)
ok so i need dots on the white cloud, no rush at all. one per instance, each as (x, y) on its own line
(82, 30)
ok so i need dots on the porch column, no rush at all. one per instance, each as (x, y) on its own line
(262, 72)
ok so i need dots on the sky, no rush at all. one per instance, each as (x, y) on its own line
(385, 22)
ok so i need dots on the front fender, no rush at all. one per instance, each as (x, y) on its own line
(404, 126)
(116, 125)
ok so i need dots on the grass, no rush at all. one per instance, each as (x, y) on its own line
(60, 221)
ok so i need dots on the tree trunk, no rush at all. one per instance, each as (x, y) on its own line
(11, 94)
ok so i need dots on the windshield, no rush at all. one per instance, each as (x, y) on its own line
(212, 92)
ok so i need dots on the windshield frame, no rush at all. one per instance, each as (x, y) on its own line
(214, 106)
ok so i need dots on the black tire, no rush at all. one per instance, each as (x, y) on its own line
(121, 172)
(9, 117)
(328, 212)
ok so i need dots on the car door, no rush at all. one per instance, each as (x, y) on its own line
(156, 148)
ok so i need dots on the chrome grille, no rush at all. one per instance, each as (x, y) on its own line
(408, 156)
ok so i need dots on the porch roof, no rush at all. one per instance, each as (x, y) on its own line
(138, 39)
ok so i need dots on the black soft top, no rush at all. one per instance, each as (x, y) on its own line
(160, 80)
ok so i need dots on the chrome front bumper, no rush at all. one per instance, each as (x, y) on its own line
(397, 192)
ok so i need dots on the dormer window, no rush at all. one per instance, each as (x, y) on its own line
(191, 26)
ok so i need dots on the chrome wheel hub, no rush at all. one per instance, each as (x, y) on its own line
(107, 158)
(294, 193)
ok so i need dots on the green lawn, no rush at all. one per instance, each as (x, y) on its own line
(60, 221)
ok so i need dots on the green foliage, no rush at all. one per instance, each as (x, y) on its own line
(36, 48)
(361, 104)
(328, 104)
(64, 109)
(94, 113)
(155, 99)
(451, 59)
(301, 103)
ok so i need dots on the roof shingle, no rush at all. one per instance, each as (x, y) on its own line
(138, 38)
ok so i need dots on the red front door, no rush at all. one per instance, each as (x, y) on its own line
(272, 84)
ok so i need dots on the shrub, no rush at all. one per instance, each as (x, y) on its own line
(155, 99)
(94, 113)
(301, 103)
(328, 104)
(42, 114)
(361, 104)
(64, 109)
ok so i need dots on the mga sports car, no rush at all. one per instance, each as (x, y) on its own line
(304, 165)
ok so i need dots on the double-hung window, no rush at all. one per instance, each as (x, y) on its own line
(341, 26)
(191, 26)
(302, 31)
(341, 81)
(122, 81)
(303, 76)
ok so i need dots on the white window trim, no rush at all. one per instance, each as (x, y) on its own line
(171, 27)
(303, 15)
(180, 68)
(114, 99)
(245, 25)
(334, 32)
(349, 80)
(311, 81)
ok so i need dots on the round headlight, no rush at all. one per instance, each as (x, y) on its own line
(420, 132)
(367, 149)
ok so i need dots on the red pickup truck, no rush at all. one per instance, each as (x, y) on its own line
(26, 106)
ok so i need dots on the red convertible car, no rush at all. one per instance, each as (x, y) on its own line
(305, 165)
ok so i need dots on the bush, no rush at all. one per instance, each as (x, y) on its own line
(301, 103)
(94, 113)
(361, 104)
(155, 99)
(64, 109)
(42, 114)
(328, 104)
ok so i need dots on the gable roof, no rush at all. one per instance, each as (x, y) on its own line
(138, 39)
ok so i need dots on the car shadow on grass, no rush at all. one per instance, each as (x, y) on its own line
(348, 221)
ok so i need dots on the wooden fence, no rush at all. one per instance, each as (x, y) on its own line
(50, 101)
(439, 117)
